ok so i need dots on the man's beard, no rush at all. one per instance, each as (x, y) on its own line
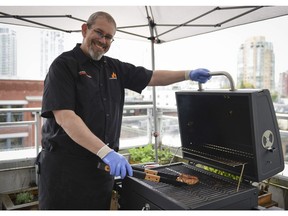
(95, 55)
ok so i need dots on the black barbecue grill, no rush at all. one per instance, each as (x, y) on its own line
(234, 131)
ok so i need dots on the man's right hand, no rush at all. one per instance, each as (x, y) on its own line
(118, 164)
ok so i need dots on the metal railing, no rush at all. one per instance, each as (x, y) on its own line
(36, 123)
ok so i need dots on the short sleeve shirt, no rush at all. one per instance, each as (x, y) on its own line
(94, 90)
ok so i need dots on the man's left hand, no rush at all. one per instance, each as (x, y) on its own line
(200, 75)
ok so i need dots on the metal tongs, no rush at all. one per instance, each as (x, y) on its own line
(148, 174)
(156, 176)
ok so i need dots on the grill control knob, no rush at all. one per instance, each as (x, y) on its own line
(146, 207)
(268, 140)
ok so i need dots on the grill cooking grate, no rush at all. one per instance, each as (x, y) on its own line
(222, 155)
(219, 154)
(210, 187)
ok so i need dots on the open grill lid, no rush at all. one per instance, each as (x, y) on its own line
(232, 130)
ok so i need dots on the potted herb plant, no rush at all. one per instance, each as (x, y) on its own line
(24, 199)
(145, 154)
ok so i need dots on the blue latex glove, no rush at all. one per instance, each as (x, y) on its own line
(118, 164)
(200, 75)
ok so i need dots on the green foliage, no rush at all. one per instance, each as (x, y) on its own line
(164, 156)
(147, 154)
(274, 96)
(142, 154)
(245, 85)
(219, 172)
(24, 197)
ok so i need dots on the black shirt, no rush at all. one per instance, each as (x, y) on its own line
(94, 90)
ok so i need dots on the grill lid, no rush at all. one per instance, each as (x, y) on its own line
(234, 131)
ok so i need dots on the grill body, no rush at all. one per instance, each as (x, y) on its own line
(233, 131)
(213, 192)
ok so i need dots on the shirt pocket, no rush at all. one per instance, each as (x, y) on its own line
(87, 89)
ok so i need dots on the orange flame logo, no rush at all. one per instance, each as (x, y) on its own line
(113, 76)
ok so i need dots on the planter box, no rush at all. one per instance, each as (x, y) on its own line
(265, 200)
(8, 200)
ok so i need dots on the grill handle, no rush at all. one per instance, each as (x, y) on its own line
(220, 73)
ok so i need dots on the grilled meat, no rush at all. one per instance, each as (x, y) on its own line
(188, 179)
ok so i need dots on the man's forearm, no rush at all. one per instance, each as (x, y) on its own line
(166, 77)
(77, 130)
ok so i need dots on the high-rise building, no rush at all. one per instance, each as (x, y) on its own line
(256, 64)
(8, 53)
(283, 84)
(52, 45)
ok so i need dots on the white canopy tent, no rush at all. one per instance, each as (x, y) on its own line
(157, 24)
(167, 22)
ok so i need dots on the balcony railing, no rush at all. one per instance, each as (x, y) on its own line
(137, 130)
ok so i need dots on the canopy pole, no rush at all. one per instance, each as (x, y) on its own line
(155, 115)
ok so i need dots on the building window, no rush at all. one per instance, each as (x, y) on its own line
(11, 116)
(11, 143)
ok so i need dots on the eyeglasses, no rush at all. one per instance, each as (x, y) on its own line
(108, 38)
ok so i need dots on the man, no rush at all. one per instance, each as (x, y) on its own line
(83, 104)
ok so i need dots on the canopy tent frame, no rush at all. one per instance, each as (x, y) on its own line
(151, 23)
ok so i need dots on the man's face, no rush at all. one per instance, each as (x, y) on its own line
(97, 40)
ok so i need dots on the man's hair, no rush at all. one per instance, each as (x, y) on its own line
(99, 14)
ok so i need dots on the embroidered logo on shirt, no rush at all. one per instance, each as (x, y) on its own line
(83, 73)
(113, 76)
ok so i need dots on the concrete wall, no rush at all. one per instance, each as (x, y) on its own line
(279, 189)
(17, 174)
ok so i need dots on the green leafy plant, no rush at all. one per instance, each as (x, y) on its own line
(164, 156)
(146, 154)
(219, 172)
(24, 197)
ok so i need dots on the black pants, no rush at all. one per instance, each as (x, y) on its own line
(67, 182)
